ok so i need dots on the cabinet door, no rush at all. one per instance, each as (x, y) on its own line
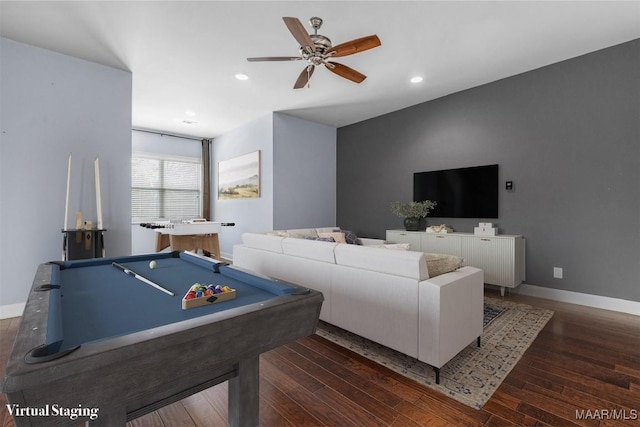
(411, 237)
(442, 244)
(496, 257)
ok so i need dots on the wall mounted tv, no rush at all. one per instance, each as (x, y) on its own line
(460, 193)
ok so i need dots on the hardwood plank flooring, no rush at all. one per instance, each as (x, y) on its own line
(583, 369)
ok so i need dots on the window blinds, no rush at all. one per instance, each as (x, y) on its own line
(165, 187)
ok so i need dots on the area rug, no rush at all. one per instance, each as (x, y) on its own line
(475, 373)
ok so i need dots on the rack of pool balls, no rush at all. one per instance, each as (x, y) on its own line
(201, 294)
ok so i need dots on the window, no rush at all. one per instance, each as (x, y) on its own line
(165, 187)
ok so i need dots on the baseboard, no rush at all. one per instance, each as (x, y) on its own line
(12, 310)
(596, 301)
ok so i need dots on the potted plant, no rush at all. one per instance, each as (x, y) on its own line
(412, 212)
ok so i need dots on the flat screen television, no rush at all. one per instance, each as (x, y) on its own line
(460, 193)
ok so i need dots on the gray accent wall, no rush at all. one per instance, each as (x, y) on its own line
(51, 105)
(567, 135)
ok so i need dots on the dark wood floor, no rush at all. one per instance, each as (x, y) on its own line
(585, 360)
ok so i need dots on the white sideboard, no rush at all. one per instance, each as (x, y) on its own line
(502, 257)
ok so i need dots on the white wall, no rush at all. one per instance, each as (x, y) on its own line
(297, 177)
(304, 179)
(248, 214)
(50, 105)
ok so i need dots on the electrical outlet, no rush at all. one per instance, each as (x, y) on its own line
(557, 272)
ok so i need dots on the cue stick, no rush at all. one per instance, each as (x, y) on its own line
(66, 204)
(142, 279)
(96, 165)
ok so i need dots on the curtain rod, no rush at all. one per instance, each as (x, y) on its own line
(168, 134)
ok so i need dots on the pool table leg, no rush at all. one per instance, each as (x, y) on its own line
(244, 394)
(109, 417)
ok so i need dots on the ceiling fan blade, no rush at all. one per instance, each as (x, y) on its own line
(346, 72)
(274, 58)
(299, 33)
(304, 77)
(354, 46)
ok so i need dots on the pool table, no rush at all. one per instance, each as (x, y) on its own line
(99, 343)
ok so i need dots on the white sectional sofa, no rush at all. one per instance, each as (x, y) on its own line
(384, 295)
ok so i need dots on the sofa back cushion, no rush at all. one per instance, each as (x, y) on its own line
(263, 242)
(310, 249)
(398, 263)
(327, 229)
(301, 233)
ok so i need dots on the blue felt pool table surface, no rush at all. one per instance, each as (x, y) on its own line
(97, 301)
(92, 336)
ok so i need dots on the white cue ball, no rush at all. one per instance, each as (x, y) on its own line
(153, 265)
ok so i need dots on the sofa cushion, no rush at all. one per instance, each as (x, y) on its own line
(368, 241)
(438, 264)
(310, 249)
(263, 241)
(300, 233)
(399, 263)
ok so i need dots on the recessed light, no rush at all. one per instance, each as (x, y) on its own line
(189, 113)
(416, 79)
(241, 76)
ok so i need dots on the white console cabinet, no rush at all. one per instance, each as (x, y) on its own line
(501, 257)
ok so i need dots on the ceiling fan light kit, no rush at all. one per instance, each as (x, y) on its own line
(317, 49)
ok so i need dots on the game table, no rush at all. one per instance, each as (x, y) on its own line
(99, 343)
(188, 235)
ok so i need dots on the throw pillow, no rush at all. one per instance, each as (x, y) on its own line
(279, 233)
(321, 239)
(301, 233)
(297, 235)
(351, 237)
(438, 264)
(337, 237)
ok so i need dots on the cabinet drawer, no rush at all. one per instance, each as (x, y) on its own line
(399, 236)
(442, 244)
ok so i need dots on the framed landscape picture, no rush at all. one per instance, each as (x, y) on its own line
(239, 177)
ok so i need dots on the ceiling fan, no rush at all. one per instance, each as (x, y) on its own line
(317, 50)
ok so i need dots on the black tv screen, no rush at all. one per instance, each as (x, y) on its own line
(460, 193)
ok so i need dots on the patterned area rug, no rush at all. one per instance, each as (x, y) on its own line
(475, 373)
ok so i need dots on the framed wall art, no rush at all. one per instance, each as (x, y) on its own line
(239, 177)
